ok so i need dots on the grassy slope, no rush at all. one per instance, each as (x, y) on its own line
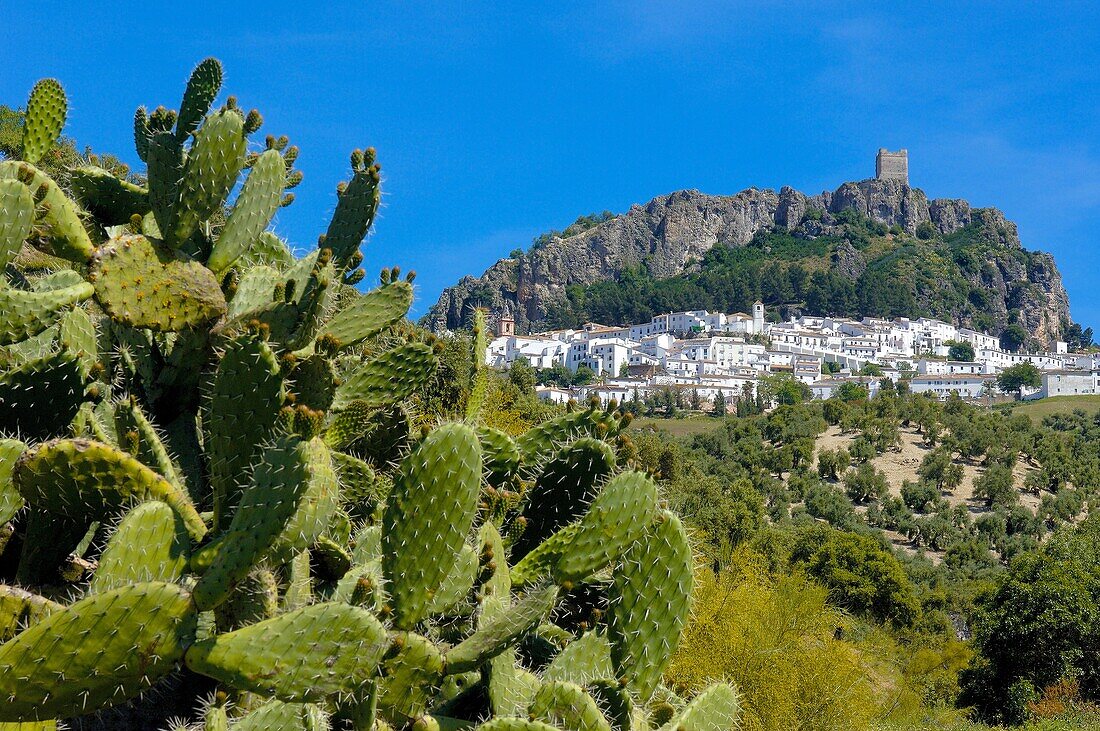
(1057, 405)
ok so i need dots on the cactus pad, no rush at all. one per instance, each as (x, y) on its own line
(252, 212)
(52, 670)
(370, 314)
(540, 562)
(202, 88)
(354, 213)
(309, 654)
(150, 544)
(56, 379)
(717, 707)
(617, 518)
(430, 512)
(650, 600)
(20, 609)
(286, 497)
(245, 398)
(213, 164)
(11, 502)
(58, 226)
(80, 477)
(569, 705)
(412, 672)
(111, 200)
(16, 218)
(46, 111)
(25, 314)
(391, 377)
(502, 630)
(582, 661)
(568, 482)
(144, 285)
(501, 455)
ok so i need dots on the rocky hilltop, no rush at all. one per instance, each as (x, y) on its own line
(670, 235)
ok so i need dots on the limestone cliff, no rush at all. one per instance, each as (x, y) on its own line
(669, 235)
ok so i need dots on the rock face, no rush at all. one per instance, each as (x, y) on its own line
(668, 235)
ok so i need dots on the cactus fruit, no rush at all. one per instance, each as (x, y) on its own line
(80, 477)
(142, 284)
(305, 655)
(51, 671)
(431, 509)
(46, 110)
(649, 604)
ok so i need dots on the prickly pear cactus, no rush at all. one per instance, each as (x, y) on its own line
(216, 480)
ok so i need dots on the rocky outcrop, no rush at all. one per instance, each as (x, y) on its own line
(670, 234)
(663, 237)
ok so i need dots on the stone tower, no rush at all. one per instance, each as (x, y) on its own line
(892, 165)
(506, 324)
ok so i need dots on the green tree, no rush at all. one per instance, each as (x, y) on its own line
(522, 375)
(583, 375)
(1016, 378)
(960, 350)
(996, 487)
(831, 463)
(1013, 337)
(850, 391)
(861, 575)
(1041, 625)
(624, 370)
(865, 483)
(719, 406)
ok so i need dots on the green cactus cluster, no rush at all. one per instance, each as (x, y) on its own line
(218, 502)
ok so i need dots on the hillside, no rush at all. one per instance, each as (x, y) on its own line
(875, 247)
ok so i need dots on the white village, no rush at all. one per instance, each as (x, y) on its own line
(709, 354)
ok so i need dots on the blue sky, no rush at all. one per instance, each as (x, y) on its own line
(496, 123)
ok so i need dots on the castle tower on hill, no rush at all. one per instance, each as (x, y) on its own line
(892, 165)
